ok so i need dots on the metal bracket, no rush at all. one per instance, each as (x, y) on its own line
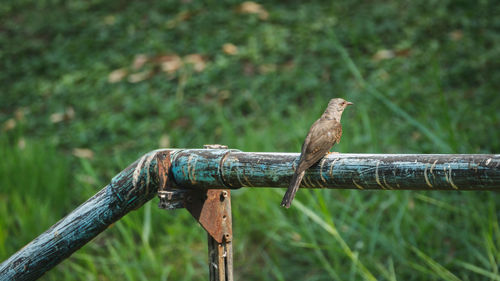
(213, 211)
(172, 199)
(211, 208)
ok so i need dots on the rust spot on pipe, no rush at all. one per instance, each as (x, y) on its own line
(163, 163)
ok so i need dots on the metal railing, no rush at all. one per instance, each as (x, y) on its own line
(200, 180)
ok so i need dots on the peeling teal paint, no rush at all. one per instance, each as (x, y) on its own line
(233, 169)
(79, 227)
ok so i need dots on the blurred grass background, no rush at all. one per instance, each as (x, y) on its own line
(87, 87)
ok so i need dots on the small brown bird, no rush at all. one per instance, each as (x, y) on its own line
(324, 133)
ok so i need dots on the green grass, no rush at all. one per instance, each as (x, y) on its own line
(437, 93)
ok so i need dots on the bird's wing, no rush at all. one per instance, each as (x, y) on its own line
(337, 131)
(321, 137)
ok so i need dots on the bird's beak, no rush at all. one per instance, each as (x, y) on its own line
(349, 103)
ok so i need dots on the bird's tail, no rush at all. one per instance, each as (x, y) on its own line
(292, 189)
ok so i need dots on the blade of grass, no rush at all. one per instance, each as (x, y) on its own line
(276, 271)
(146, 225)
(392, 270)
(492, 252)
(389, 274)
(438, 203)
(332, 230)
(436, 268)
(479, 270)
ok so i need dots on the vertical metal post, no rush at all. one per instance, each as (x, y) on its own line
(212, 209)
(220, 254)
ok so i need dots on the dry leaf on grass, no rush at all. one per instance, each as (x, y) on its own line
(68, 114)
(180, 17)
(170, 63)
(139, 61)
(403, 52)
(196, 60)
(250, 7)
(83, 153)
(9, 124)
(117, 75)
(21, 143)
(182, 122)
(267, 68)
(230, 49)
(140, 76)
(56, 117)
(20, 113)
(456, 35)
(383, 55)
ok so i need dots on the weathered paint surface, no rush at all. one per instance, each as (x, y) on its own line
(193, 168)
(234, 169)
(224, 168)
(84, 223)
